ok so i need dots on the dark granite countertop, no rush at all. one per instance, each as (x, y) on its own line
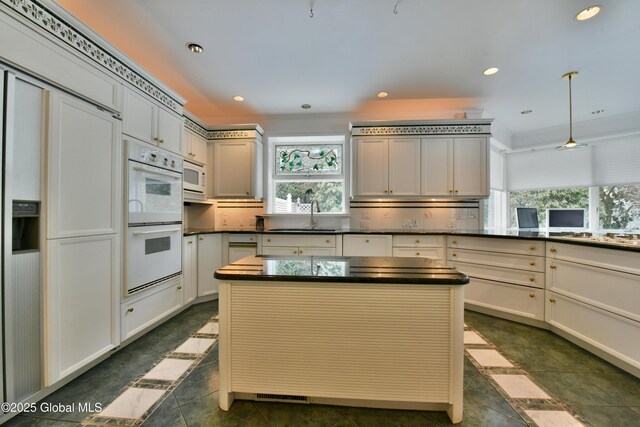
(593, 241)
(395, 270)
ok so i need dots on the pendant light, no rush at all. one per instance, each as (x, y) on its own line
(570, 144)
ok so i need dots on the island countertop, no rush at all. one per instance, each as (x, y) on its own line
(342, 269)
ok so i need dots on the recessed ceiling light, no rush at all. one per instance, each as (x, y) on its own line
(305, 106)
(597, 112)
(383, 94)
(238, 98)
(490, 71)
(526, 111)
(588, 13)
(195, 48)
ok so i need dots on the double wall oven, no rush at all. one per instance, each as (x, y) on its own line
(154, 216)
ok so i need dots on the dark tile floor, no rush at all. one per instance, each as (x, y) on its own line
(599, 392)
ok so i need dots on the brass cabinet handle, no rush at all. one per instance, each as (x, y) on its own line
(417, 241)
(247, 193)
(532, 295)
(417, 253)
(130, 310)
(300, 251)
(553, 250)
(455, 191)
(552, 266)
(532, 248)
(450, 191)
(454, 254)
(385, 191)
(268, 240)
(155, 138)
(532, 279)
(532, 263)
(189, 242)
(455, 242)
(552, 300)
(366, 241)
(295, 252)
(390, 191)
(201, 238)
(179, 287)
(328, 241)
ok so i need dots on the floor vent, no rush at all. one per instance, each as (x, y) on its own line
(280, 397)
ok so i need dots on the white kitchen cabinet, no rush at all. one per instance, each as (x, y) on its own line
(455, 167)
(405, 245)
(84, 182)
(367, 245)
(194, 147)
(150, 307)
(148, 122)
(506, 275)
(190, 268)
(209, 260)
(237, 168)
(387, 167)
(304, 245)
(83, 286)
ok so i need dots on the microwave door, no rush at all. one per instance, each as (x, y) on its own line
(154, 195)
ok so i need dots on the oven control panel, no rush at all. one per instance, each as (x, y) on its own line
(154, 156)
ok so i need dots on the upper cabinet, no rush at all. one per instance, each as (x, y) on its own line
(387, 167)
(147, 121)
(444, 158)
(237, 163)
(455, 167)
(194, 147)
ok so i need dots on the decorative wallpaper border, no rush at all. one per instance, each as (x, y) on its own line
(221, 134)
(195, 127)
(435, 129)
(47, 20)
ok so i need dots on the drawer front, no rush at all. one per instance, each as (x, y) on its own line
(316, 251)
(243, 238)
(625, 261)
(500, 274)
(366, 245)
(511, 246)
(433, 253)
(607, 289)
(144, 312)
(299, 240)
(417, 241)
(611, 333)
(522, 262)
(279, 250)
(518, 300)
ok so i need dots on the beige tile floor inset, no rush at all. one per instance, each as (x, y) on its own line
(195, 345)
(210, 328)
(488, 358)
(471, 337)
(132, 403)
(168, 369)
(520, 387)
(553, 418)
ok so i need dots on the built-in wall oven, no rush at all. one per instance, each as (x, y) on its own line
(154, 216)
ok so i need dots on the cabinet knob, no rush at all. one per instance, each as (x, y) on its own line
(552, 300)
(179, 287)
(450, 191)
(295, 252)
(130, 310)
(532, 263)
(366, 241)
(417, 253)
(268, 240)
(155, 138)
(189, 242)
(328, 241)
(455, 191)
(532, 279)
(247, 193)
(201, 238)
(455, 242)
(390, 191)
(552, 266)
(532, 295)
(532, 248)
(417, 241)
(454, 254)
(300, 251)
(552, 250)
(385, 191)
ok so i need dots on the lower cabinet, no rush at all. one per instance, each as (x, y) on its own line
(367, 245)
(190, 268)
(304, 245)
(514, 299)
(209, 260)
(151, 306)
(83, 287)
(410, 245)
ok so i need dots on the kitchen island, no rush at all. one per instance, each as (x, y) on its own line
(359, 331)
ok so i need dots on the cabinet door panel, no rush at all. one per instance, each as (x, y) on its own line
(169, 131)
(372, 167)
(314, 251)
(189, 268)
(433, 253)
(279, 250)
(232, 169)
(404, 167)
(198, 149)
(83, 286)
(470, 167)
(139, 117)
(209, 260)
(437, 165)
(84, 173)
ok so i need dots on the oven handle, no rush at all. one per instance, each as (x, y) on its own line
(144, 233)
(169, 174)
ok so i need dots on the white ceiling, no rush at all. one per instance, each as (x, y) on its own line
(429, 56)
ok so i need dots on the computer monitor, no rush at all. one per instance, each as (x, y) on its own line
(566, 219)
(527, 218)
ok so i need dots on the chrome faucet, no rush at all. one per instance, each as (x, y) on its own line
(313, 222)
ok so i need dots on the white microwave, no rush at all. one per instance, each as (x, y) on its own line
(194, 180)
